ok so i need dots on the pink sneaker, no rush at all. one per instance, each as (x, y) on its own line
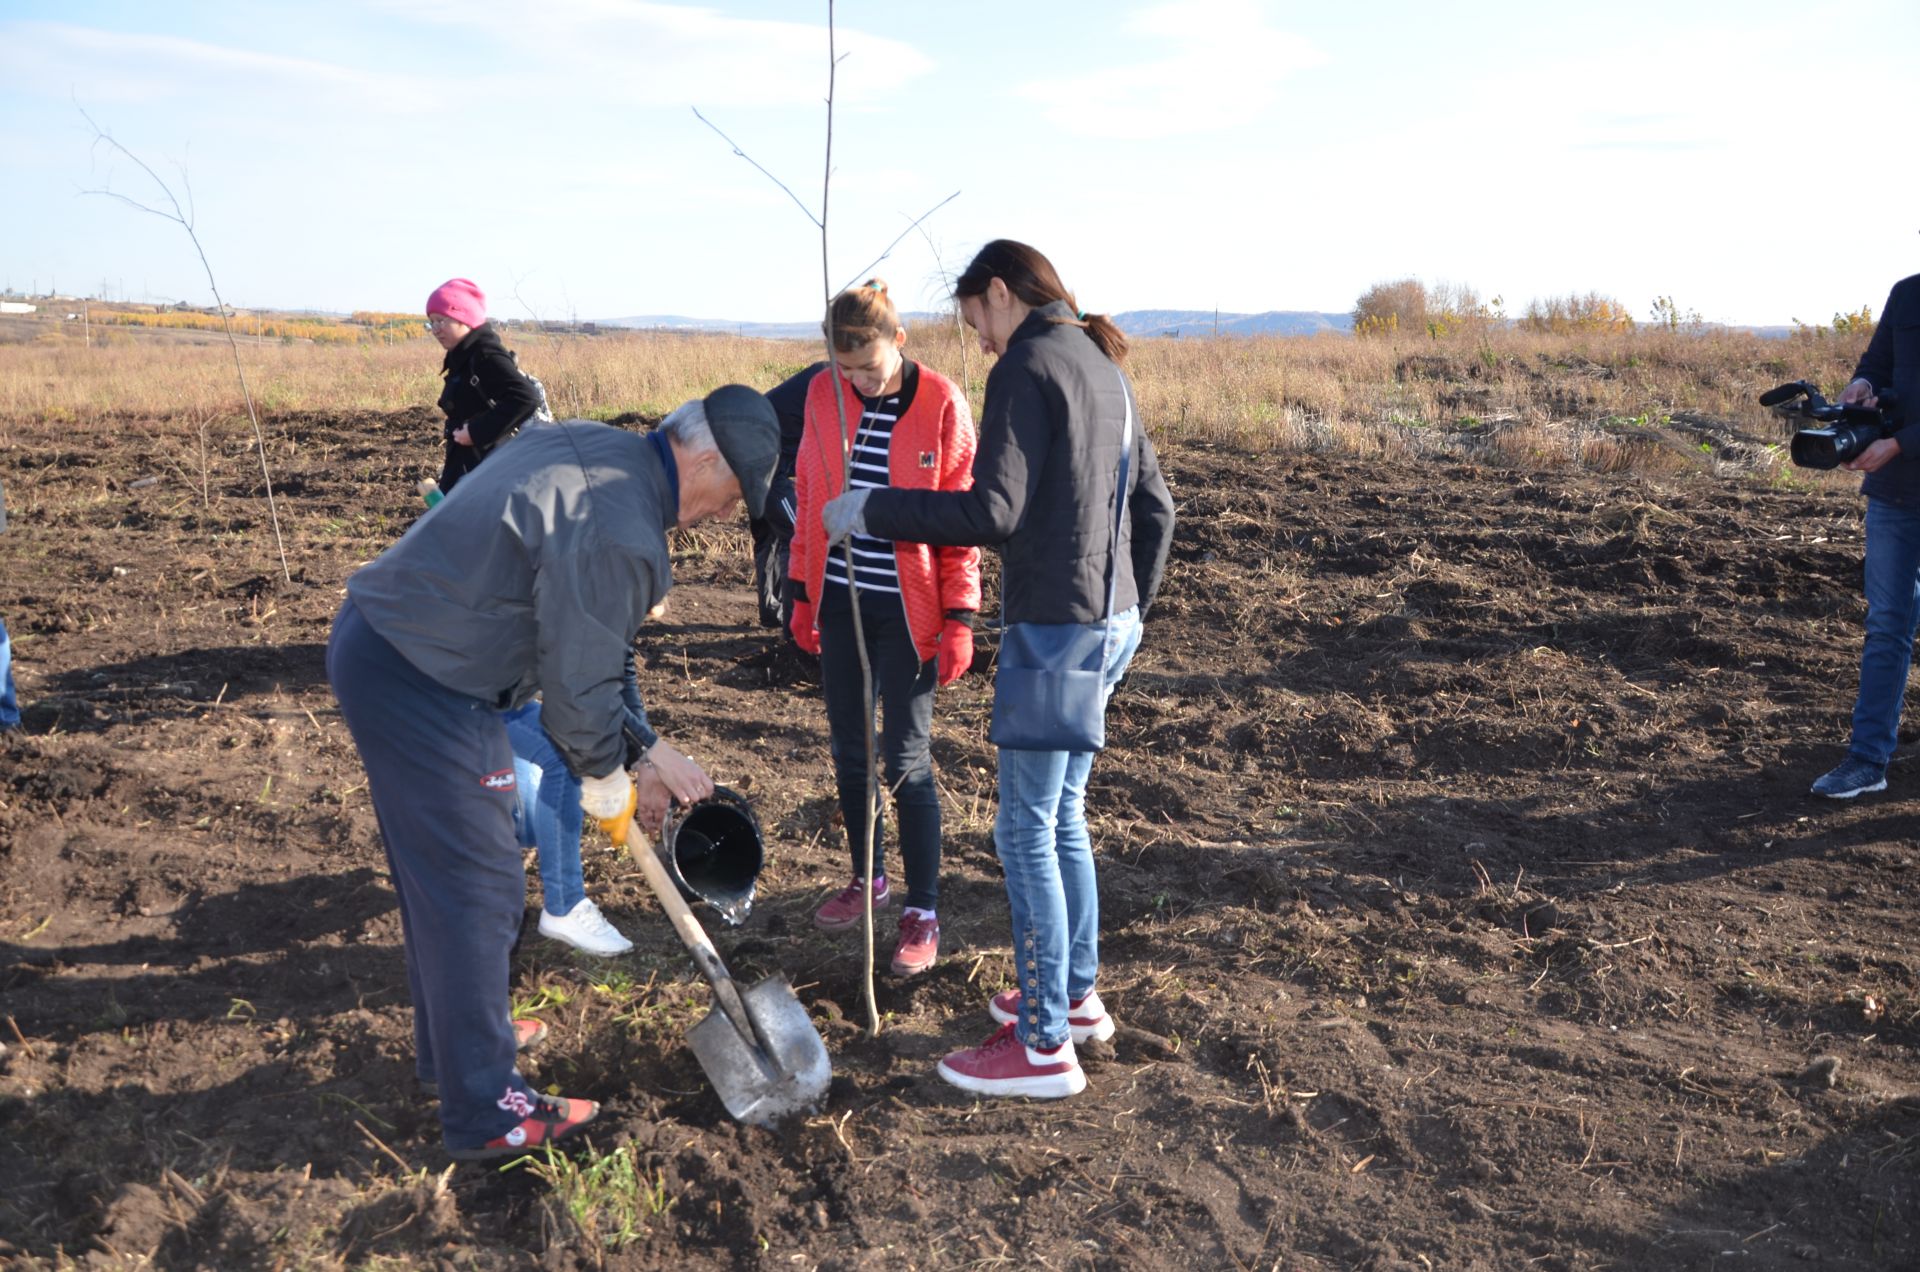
(919, 943)
(1003, 1066)
(1087, 1020)
(843, 909)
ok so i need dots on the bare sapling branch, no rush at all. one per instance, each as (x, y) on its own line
(867, 270)
(820, 220)
(184, 219)
(959, 324)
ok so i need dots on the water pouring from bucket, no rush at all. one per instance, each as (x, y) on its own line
(715, 852)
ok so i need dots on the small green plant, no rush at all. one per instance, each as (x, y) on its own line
(603, 1196)
(540, 998)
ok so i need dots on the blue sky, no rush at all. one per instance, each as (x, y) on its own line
(1752, 159)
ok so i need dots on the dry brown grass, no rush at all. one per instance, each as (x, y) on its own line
(1640, 400)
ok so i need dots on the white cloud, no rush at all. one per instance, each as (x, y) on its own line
(638, 53)
(1223, 65)
(100, 66)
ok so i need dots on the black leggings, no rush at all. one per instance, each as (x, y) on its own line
(903, 692)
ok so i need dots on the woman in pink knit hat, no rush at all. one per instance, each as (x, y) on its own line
(486, 396)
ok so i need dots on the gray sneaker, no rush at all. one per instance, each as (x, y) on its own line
(1852, 777)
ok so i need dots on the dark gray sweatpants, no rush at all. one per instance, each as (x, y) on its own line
(440, 770)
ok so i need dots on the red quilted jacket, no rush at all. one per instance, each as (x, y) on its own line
(931, 449)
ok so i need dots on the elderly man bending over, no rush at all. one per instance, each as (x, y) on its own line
(533, 577)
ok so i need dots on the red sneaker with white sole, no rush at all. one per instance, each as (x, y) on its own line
(552, 1117)
(844, 908)
(1087, 1020)
(1002, 1065)
(919, 943)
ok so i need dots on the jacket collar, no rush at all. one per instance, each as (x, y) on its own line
(662, 451)
(471, 344)
(1042, 319)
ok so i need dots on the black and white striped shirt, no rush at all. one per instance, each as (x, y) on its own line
(873, 560)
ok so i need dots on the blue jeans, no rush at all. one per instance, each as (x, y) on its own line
(1893, 607)
(9, 699)
(1047, 854)
(548, 816)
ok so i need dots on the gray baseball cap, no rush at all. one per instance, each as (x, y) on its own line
(748, 434)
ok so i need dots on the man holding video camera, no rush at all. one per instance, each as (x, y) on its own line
(1892, 488)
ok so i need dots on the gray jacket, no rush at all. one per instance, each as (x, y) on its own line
(533, 578)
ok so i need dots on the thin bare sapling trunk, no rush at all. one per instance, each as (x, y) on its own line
(184, 219)
(846, 482)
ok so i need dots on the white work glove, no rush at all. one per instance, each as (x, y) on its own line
(611, 801)
(845, 515)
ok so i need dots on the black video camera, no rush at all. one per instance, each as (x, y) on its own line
(1847, 430)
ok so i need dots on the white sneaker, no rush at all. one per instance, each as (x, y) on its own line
(585, 928)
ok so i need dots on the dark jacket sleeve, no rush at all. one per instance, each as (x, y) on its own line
(1150, 517)
(587, 605)
(1015, 434)
(511, 394)
(1876, 364)
(639, 733)
(789, 401)
(1898, 322)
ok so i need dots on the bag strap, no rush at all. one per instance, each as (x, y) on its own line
(1119, 496)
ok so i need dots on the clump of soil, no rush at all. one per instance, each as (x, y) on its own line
(1461, 903)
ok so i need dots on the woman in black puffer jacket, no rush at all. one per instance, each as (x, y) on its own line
(486, 397)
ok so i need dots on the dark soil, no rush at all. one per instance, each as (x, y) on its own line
(1462, 903)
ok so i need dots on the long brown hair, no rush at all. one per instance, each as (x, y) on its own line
(1032, 278)
(861, 315)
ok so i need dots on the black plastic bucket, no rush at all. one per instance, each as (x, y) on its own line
(715, 852)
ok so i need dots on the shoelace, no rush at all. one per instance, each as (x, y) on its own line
(548, 1109)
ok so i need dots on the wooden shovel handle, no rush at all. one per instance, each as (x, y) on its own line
(705, 957)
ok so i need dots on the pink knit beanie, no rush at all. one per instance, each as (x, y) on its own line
(459, 299)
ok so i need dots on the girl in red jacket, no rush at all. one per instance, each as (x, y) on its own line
(909, 427)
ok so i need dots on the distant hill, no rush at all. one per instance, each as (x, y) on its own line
(1185, 323)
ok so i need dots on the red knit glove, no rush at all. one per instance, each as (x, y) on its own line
(802, 627)
(956, 651)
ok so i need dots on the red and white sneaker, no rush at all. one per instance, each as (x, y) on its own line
(551, 1117)
(1087, 1020)
(844, 908)
(1002, 1065)
(919, 943)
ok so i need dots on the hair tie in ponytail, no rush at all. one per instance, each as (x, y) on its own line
(1082, 315)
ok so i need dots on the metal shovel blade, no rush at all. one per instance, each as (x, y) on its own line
(761, 1086)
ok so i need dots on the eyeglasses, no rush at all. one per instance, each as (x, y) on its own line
(439, 321)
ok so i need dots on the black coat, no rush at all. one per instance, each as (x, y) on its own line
(485, 391)
(1892, 361)
(1043, 479)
